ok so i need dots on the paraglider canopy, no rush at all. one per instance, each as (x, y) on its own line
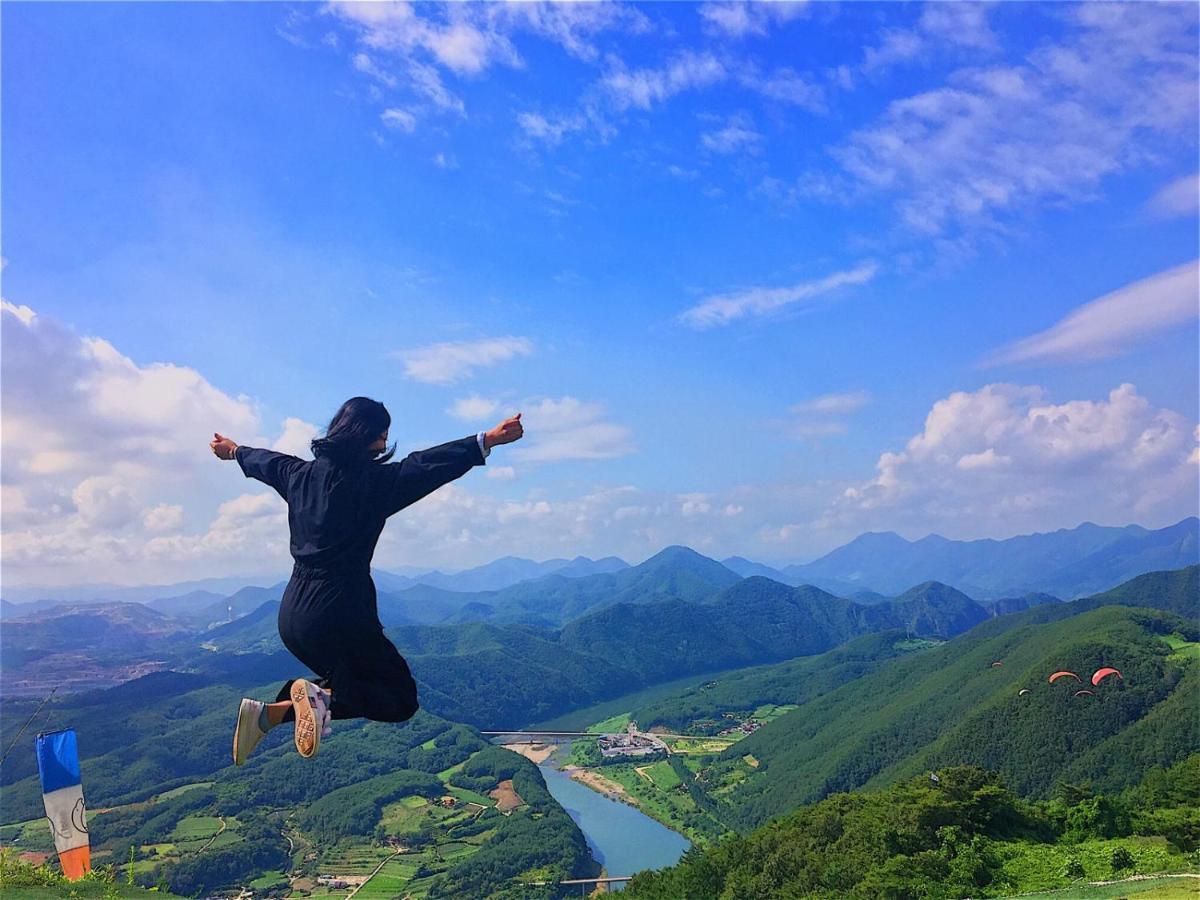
(1022, 692)
(1101, 674)
(1085, 693)
(997, 664)
(1058, 675)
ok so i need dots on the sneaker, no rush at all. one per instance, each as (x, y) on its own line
(248, 732)
(311, 708)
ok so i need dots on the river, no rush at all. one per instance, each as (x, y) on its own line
(622, 839)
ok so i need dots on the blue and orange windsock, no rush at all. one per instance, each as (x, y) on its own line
(62, 792)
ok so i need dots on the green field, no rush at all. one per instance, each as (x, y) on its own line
(1184, 649)
(182, 789)
(195, 828)
(611, 724)
(771, 711)
(661, 775)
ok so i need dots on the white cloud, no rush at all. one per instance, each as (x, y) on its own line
(551, 130)
(296, 438)
(1179, 198)
(473, 408)
(994, 141)
(452, 361)
(1007, 459)
(645, 88)
(823, 416)
(163, 518)
(568, 428)
(744, 18)
(721, 309)
(103, 501)
(694, 504)
(363, 63)
(101, 454)
(501, 473)
(738, 134)
(786, 86)
(834, 404)
(1115, 322)
(399, 119)
(24, 314)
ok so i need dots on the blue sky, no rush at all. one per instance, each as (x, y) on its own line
(760, 276)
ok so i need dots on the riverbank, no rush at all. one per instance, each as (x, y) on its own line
(621, 837)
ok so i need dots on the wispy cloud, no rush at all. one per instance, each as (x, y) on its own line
(742, 18)
(647, 87)
(473, 408)
(1179, 198)
(824, 416)
(399, 120)
(994, 141)
(1114, 323)
(738, 134)
(452, 361)
(834, 404)
(722, 309)
(568, 428)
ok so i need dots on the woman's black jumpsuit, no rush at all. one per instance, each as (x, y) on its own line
(328, 618)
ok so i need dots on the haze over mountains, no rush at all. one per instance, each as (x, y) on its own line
(1067, 563)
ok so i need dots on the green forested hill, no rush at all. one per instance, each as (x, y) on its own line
(965, 836)
(951, 705)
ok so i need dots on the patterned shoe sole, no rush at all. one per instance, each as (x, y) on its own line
(308, 732)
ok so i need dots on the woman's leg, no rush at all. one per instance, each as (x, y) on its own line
(374, 682)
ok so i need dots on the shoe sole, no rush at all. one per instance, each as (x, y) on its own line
(237, 731)
(308, 730)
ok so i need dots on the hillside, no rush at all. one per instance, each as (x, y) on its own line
(967, 835)
(162, 784)
(951, 705)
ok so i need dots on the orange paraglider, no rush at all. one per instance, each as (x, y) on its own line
(1101, 674)
(1058, 675)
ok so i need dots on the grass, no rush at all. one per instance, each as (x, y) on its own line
(703, 745)
(182, 789)
(1042, 867)
(1184, 649)
(916, 644)
(269, 879)
(662, 775)
(769, 712)
(611, 724)
(196, 827)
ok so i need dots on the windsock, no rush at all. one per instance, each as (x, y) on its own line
(62, 792)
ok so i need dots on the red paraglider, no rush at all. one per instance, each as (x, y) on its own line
(1101, 674)
(1058, 675)
(1085, 693)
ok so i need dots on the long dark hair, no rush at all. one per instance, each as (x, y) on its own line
(355, 427)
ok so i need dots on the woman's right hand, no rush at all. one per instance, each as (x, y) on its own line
(222, 446)
(505, 433)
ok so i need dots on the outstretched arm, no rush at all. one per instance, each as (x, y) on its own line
(424, 471)
(267, 466)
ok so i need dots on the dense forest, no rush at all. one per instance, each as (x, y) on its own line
(964, 834)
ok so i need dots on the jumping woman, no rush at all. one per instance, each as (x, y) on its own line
(337, 506)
